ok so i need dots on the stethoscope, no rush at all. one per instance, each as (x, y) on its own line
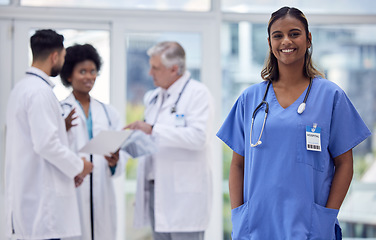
(174, 107)
(70, 106)
(300, 110)
(34, 74)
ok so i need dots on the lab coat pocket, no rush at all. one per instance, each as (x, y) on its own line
(317, 159)
(240, 223)
(323, 223)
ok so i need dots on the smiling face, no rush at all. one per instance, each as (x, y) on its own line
(288, 41)
(83, 76)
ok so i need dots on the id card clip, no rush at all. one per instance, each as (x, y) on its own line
(179, 120)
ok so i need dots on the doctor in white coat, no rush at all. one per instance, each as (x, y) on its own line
(39, 166)
(174, 187)
(85, 118)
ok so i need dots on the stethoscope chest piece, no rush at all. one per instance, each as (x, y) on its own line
(301, 107)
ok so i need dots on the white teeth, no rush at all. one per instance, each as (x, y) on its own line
(287, 50)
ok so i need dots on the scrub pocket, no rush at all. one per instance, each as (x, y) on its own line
(318, 160)
(240, 223)
(323, 223)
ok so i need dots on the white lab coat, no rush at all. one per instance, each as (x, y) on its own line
(104, 117)
(39, 170)
(182, 172)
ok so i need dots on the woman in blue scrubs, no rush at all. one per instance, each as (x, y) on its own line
(290, 173)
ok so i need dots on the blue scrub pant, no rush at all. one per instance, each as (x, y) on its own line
(167, 235)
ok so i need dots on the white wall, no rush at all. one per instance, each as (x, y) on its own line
(5, 81)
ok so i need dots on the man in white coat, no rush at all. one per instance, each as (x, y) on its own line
(174, 188)
(40, 171)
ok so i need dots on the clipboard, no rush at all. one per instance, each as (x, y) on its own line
(106, 142)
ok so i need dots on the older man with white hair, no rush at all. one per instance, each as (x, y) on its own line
(174, 184)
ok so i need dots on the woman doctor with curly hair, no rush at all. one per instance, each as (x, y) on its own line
(85, 118)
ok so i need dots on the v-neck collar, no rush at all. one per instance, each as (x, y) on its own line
(296, 103)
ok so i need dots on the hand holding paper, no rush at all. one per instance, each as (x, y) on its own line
(112, 159)
(139, 144)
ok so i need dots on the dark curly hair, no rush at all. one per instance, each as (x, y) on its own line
(77, 54)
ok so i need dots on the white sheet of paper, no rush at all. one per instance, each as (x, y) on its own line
(106, 142)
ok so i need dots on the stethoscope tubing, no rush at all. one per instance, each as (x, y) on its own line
(300, 110)
(34, 74)
(174, 107)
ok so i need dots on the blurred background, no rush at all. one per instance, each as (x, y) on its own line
(226, 45)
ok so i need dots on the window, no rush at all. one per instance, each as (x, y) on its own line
(100, 40)
(185, 5)
(138, 79)
(347, 54)
(318, 6)
(4, 2)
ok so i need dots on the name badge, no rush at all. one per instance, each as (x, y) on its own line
(313, 139)
(180, 120)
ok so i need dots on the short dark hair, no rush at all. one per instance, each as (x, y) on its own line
(44, 42)
(77, 54)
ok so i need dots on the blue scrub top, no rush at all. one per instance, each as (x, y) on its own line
(286, 187)
(89, 121)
